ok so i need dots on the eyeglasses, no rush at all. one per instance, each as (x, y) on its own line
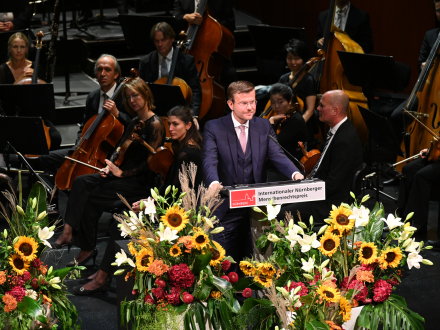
(132, 97)
(245, 104)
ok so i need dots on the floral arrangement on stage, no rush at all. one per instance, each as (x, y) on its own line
(32, 296)
(314, 280)
(179, 270)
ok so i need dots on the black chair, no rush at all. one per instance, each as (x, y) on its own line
(357, 186)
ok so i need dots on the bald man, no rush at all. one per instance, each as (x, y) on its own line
(341, 157)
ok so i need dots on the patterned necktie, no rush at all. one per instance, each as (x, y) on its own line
(340, 13)
(243, 138)
(164, 68)
(315, 168)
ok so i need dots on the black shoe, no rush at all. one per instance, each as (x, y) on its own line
(80, 291)
(435, 244)
(93, 255)
(57, 246)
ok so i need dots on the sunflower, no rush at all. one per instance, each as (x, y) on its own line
(143, 259)
(27, 248)
(247, 268)
(19, 265)
(331, 229)
(345, 309)
(218, 254)
(390, 257)
(175, 218)
(340, 218)
(199, 239)
(175, 251)
(132, 249)
(329, 244)
(266, 269)
(328, 293)
(367, 253)
(263, 280)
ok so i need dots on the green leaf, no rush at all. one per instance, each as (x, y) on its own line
(225, 315)
(201, 262)
(316, 325)
(62, 273)
(250, 303)
(29, 306)
(262, 242)
(39, 192)
(246, 282)
(198, 312)
(180, 309)
(224, 286)
(282, 281)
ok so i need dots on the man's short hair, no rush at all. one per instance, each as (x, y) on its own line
(163, 27)
(239, 87)
(117, 67)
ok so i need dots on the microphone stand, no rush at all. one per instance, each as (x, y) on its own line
(289, 154)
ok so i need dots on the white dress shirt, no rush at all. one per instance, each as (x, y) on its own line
(169, 59)
(109, 94)
(344, 18)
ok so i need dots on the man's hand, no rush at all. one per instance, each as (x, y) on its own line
(424, 153)
(321, 42)
(6, 26)
(422, 65)
(214, 190)
(111, 168)
(194, 18)
(110, 106)
(298, 176)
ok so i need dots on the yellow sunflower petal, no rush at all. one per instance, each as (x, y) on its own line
(329, 294)
(367, 253)
(329, 244)
(143, 259)
(247, 268)
(218, 254)
(175, 218)
(390, 257)
(200, 240)
(345, 309)
(340, 218)
(19, 265)
(27, 248)
(175, 251)
(263, 280)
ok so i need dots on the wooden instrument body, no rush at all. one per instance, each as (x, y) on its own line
(213, 44)
(161, 161)
(272, 111)
(92, 151)
(186, 90)
(310, 158)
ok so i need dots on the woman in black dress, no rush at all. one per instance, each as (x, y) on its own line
(186, 145)
(92, 194)
(288, 124)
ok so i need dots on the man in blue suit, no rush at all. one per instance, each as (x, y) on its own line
(234, 151)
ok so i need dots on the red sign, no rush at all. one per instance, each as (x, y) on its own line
(242, 198)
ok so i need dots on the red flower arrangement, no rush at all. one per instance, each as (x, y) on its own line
(26, 276)
(181, 276)
(226, 278)
(17, 292)
(382, 290)
(355, 284)
(159, 293)
(247, 293)
(233, 277)
(226, 265)
(160, 283)
(174, 297)
(303, 292)
(149, 300)
(187, 298)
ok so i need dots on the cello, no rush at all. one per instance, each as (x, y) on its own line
(210, 44)
(100, 135)
(330, 73)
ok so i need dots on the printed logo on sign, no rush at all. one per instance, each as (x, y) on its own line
(243, 198)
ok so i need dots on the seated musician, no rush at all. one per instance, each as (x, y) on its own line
(107, 72)
(15, 15)
(348, 18)
(157, 64)
(234, 151)
(187, 148)
(288, 124)
(415, 188)
(92, 194)
(341, 157)
(17, 68)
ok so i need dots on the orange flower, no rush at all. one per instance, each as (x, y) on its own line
(10, 303)
(128, 276)
(330, 284)
(216, 294)
(365, 276)
(187, 241)
(357, 245)
(2, 277)
(333, 325)
(355, 303)
(158, 268)
(46, 299)
(43, 269)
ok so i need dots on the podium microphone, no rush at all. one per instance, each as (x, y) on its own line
(291, 156)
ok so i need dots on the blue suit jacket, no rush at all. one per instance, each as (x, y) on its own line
(219, 151)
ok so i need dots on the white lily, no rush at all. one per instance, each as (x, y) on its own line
(273, 238)
(168, 235)
(272, 211)
(414, 259)
(54, 280)
(308, 266)
(362, 216)
(392, 222)
(413, 247)
(293, 236)
(308, 242)
(327, 275)
(121, 257)
(150, 208)
(44, 234)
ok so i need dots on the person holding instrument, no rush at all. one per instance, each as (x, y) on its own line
(157, 64)
(288, 124)
(92, 194)
(348, 18)
(187, 148)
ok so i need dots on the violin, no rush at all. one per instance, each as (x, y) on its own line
(292, 110)
(310, 158)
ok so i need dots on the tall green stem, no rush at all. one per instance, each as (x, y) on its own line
(345, 257)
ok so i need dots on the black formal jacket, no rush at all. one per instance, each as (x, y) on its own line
(357, 27)
(185, 69)
(341, 161)
(221, 9)
(22, 11)
(428, 43)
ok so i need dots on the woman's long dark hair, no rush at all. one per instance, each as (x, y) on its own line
(183, 113)
(298, 48)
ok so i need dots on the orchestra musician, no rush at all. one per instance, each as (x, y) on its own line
(107, 72)
(288, 124)
(348, 18)
(92, 194)
(157, 64)
(234, 151)
(18, 67)
(187, 148)
(341, 157)
(15, 15)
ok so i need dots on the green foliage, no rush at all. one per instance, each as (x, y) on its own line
(316, 325)
(29, 306)
(149, 318)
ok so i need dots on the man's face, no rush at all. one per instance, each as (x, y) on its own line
(163, 45)
(325, 110)
(437, 10)
(243, 106)
(105, 72)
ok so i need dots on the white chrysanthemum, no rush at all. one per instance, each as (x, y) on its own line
(31, 294)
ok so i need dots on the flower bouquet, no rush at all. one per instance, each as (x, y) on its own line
(179, 270)
(31, 295)
(321, 276)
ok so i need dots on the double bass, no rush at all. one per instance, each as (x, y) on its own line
(330, 73)
(210, 44)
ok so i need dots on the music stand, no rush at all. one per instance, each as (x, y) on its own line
(166, 97)
(269, 42)
(28, 101)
